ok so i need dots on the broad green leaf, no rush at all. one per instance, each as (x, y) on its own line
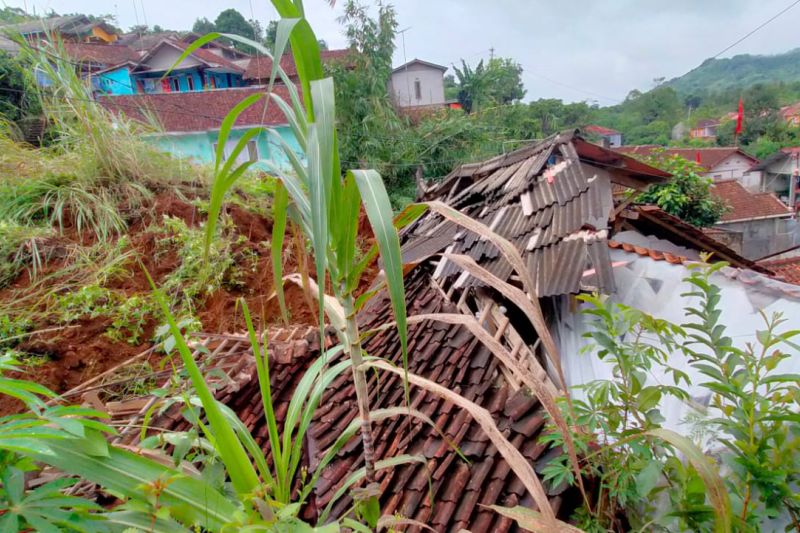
(231, 451)
(319, 212)
(128, 474)
(379, 212)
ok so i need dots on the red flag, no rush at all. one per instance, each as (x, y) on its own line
(739, 117)
(697, 157)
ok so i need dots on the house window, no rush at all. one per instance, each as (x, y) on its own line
(252, 151)
(190, 82)
(418, 89)
(175, 84)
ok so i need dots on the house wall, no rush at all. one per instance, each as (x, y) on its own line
(166, 57)
(431, 81)
(199, 147)
(733, 167)
(117, 81)
(766, 236)
(614, 140)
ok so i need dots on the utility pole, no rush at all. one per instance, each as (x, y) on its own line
(405, 64)
(491, 53)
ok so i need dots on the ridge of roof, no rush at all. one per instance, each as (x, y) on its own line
(420, 62)
(710, 156)
(260, 67)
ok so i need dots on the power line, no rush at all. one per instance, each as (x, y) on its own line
(784, 10)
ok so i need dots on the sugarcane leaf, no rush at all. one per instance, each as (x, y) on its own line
(379, 212)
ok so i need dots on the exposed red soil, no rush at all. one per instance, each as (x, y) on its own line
(82, 351)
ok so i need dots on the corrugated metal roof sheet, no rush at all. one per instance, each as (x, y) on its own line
(552, 205)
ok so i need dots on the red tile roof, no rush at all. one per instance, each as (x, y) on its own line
(445, 492)
(196, 111)
(709, 157)
(745, 205)
(104, 54)
(786, 269)
(260, 67)
(788, 111)
(599, 130)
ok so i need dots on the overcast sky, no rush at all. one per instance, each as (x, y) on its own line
(569, 49)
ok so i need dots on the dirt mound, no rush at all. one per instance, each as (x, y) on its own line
(71, 356)
(167, 204)
(82, 350)
(255, 227)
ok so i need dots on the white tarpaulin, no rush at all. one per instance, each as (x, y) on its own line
(655, 287)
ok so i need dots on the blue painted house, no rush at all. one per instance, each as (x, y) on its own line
(204, 69)
(187, 123)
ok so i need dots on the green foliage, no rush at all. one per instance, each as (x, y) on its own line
(203, 26)
(45, 508)
(18, 97)
(201, 271)
(497, 83)
(739, 72)
(13, 15)
(687, 194)
(753, 405)
(751, 424)
(616, 415)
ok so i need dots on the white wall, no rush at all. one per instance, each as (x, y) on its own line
(733, 167)
(431, 80)
(166, 56)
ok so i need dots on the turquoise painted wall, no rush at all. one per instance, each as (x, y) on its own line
(117, 81)
(220, 80)
(199, 147)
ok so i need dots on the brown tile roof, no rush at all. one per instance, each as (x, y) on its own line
(551, 199)
(600, 130)
(655, 255)
(709, 157)
(745, 205)
(786, 269)
(447, 354)
(260, 67)
(198, 110)
(103, 54)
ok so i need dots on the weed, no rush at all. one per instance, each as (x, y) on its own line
(89, 301)
(11, 329)
(130, 319)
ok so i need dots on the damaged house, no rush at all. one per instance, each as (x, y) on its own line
(553, 201)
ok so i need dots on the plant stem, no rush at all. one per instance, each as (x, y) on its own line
(353, 349)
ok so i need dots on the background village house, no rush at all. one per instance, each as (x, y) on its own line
(417, 83)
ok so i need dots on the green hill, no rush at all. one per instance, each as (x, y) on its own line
(739, 71)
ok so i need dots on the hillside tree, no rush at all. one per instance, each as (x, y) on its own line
(203, 26)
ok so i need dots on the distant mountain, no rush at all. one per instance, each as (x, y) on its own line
(739, 72)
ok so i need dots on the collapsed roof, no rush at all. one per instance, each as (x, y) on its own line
(551, 199)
